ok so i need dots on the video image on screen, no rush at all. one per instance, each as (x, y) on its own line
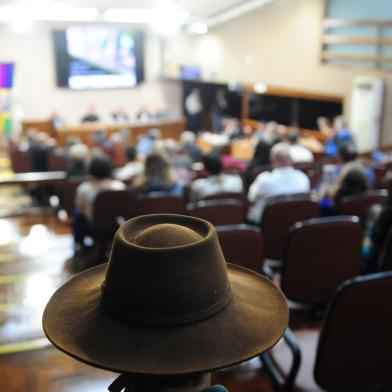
(101, 58)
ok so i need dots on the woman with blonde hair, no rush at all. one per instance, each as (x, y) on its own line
(158, 176)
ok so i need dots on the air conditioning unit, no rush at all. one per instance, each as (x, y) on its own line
(366, 111)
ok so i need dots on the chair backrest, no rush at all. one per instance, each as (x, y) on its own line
(360, 203)
(242, 245)
(280, 213)
(227, 195)
(385, 258)
(109, 205)
(57, 162)
(159, 203)
(68, 193)
(219, 212)
(355, 344)
(20, 161)
(320, 254)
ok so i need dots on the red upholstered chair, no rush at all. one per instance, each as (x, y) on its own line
(227, 195)
(280, 213)
(242, 245)
(20, 161)
(68, 193)
(353, 348)
(57, 162)
(110, 208)
(159, 203)
(359, 204)
(219, 212)
(320, 254)
(385, 259)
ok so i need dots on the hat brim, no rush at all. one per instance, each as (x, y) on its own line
(76, 323)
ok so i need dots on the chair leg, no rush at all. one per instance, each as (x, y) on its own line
(285, 383)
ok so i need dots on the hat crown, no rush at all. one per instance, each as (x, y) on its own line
(165, 235)
(166, 270)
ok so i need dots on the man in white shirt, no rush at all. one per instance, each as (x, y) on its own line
(193, 107)
(216, 182)
(298, 153)
(283, 180)
(132, 168)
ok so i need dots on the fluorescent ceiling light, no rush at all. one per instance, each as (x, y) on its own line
(51, 12)
(236, 11)
(197, 28)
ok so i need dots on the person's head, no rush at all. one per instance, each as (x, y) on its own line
(100, 167)
(339, 123)
(262, 153)
(187, 138)
(213, 163)
(154, 134)
(292, 137)
(348, 152)
(280, 155)
(157, 168)
(195, 91)
(130, 153)
(352, 180)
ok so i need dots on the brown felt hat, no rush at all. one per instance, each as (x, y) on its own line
(165, 304)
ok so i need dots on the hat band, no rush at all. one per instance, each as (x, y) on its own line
(116, 308)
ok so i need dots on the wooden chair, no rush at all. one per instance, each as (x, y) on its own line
(360, 204)
(219, 212)
(354, 345)
(320, 254)
(242, 245)
(159, 203)
(280, 213)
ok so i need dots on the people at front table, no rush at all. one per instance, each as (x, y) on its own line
(283, 180)
(119, 115)
(91, 116)
(216, 182)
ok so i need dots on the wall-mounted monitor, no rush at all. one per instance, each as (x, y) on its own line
(6, 75)
(190, 72)
(98, 57)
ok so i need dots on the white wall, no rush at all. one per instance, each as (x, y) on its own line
(279, 45)
(36, 93)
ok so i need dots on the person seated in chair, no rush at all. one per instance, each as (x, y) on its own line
(283, 180)
(158, 176)
(100, 170)
(217, 181)
(132, 168)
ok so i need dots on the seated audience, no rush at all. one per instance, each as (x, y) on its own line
(377, 230)
(158, 176)
(146, 143)
(260, 161)
(91, 115)
(100, 169)
(352, 180)
(298, 153)
(189, 146)
(216, 182)
(78, 155)
(283, 180)
(179, 159)
(132, 168)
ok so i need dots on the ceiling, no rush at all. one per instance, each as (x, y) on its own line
(198, 9)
